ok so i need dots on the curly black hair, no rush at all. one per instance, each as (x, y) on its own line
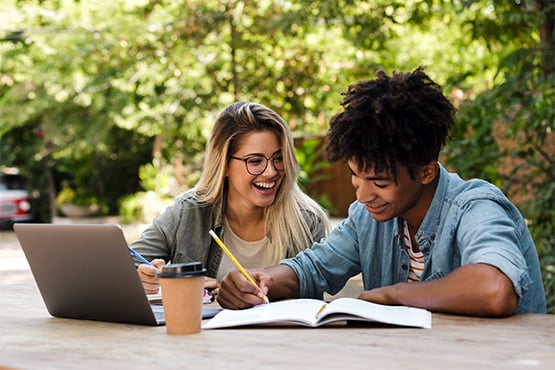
(400, 119)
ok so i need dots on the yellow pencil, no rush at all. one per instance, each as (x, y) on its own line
(320, 310)
(235, 262)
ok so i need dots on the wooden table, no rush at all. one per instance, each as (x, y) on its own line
(31, 339)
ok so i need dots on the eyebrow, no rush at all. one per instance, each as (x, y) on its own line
(279, 151)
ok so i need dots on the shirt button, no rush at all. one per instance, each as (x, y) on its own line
(404, 267)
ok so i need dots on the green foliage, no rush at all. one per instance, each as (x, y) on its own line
(159, 181)
(142, 207)
(67, 195)
(310, 156)
(155, 179)
(508, 132)
(91, 92)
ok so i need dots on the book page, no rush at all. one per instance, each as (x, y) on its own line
(364, 310)
(294, 311)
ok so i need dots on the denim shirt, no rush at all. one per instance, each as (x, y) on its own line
(180, 233)
(468, 222)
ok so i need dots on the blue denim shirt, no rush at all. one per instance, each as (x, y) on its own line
(468, 222)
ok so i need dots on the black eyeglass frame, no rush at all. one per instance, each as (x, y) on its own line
(273, 159)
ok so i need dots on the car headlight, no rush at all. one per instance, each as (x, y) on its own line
(25, 206)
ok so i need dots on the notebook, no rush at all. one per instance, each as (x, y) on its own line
(86, 272)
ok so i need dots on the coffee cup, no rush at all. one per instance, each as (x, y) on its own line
(182, 289)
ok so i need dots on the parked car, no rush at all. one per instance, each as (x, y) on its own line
(15, 203)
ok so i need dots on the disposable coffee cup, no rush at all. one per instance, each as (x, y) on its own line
(182, 289)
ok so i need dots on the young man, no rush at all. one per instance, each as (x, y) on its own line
(421, 236)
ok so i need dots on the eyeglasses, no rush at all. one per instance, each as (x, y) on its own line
(257, 164)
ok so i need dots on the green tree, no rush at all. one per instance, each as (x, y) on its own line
(507, 129)
(115, 94)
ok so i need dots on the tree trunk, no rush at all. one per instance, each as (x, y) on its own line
(546, 8)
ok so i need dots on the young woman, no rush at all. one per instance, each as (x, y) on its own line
(248, 194)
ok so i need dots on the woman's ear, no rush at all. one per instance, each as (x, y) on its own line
(429, 172)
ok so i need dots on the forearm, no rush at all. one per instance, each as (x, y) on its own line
(151, 244)
(478, 290)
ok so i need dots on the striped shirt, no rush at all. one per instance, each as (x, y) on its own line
(416, 258)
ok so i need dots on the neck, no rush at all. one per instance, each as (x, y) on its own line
(248, 224)
(416, 214)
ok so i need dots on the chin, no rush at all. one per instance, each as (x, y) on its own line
(263, 203)
(381, 217)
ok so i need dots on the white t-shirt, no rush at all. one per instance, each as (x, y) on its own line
(249, 254)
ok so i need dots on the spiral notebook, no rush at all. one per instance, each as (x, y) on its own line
(86, 272)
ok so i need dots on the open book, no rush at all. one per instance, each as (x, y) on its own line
(313, 313)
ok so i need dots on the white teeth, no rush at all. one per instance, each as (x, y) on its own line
(266, 185)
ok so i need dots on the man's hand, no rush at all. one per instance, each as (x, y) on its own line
(378, 295)
(277, 282)
(236, 292)
(474, 289)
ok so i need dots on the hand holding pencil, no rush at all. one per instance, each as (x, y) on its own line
(235, 262)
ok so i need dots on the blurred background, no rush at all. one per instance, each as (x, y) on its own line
(105, 106)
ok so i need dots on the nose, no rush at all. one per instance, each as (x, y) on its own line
(364, 190)
(270, 170)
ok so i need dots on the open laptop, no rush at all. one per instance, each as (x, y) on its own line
(86, 272)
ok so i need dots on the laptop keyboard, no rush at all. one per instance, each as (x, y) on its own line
(158, 311)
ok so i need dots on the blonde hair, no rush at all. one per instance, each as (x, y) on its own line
(285, 225)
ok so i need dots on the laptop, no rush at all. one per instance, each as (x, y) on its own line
(86, 272)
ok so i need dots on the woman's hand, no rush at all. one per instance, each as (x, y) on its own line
(147, 274)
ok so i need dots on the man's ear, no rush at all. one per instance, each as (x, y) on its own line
(429, 172)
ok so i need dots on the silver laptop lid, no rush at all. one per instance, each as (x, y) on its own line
(85, 272)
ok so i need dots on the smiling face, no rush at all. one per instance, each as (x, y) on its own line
(250, 191)
(385, 199)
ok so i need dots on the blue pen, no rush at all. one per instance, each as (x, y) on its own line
(138, 256)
